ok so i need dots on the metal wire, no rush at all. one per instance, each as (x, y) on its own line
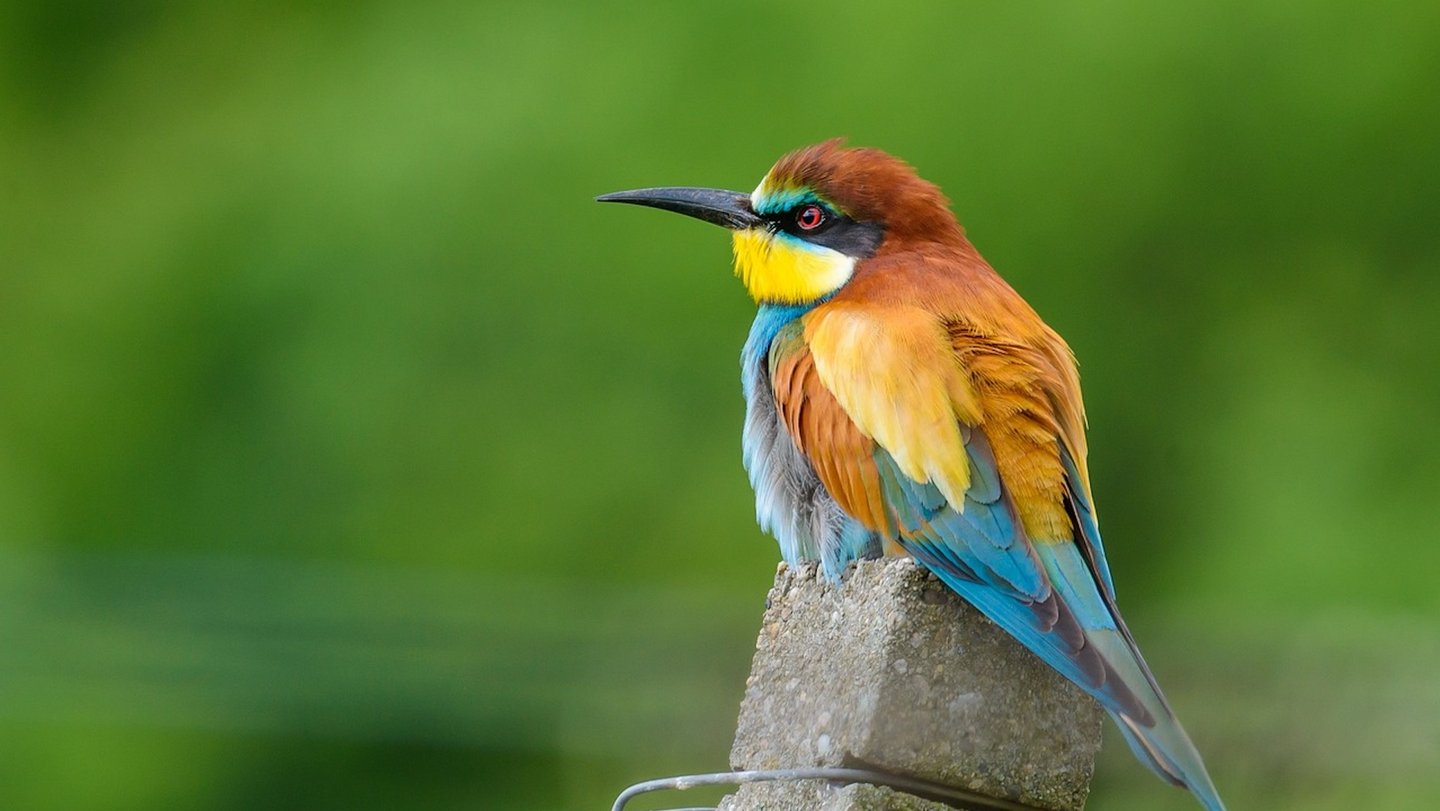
(909, 785)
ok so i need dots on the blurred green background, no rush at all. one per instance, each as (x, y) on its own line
(351, 457)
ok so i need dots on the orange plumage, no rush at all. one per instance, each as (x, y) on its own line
(901, 397)
(1007, 371)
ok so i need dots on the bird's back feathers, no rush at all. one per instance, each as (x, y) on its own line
(941, 414)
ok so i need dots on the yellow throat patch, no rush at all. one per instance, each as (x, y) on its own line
(780, 270)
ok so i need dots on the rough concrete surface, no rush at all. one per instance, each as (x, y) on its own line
(891, 670)
(819, 795)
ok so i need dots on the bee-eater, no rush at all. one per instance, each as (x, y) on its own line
(901, 398)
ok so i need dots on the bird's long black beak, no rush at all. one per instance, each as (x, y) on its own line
(730, 209)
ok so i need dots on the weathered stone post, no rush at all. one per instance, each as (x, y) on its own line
(892, 671)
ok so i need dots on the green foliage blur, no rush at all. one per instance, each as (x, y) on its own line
(351, 457)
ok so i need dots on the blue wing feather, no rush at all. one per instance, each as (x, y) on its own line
(1055, 598)
(1083, 511)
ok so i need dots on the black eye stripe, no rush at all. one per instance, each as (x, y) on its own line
(836, 231)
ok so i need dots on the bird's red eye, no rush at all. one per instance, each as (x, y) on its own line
(810, 217)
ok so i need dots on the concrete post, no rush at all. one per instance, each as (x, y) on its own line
(892, 671)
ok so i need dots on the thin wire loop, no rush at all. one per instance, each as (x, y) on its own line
(909, 785)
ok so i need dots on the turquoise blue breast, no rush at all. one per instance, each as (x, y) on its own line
(790, 502)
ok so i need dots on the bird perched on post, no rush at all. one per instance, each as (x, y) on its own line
(901, 398)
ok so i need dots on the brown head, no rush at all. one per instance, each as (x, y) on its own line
(867, 185)
(818, 211)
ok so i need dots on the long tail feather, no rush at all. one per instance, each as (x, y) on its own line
(1157, 740)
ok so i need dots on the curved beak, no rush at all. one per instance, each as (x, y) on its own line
(730, 209)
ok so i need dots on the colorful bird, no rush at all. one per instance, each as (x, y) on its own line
(901, 398)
